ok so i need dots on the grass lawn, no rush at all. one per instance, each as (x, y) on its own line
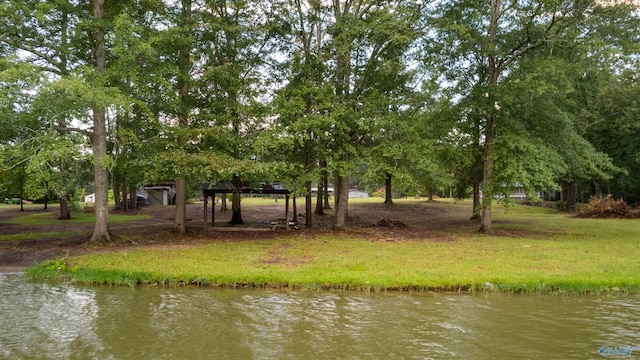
(77, 218)
(36, 224)
(40, 235)
(533, 250)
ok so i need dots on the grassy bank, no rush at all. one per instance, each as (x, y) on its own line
(534, 250)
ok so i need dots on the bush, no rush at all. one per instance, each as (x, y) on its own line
(608, 208)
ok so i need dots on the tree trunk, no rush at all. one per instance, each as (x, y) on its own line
(236, 211)
(320, 199)
(336, 190)
(223, 202)
(46, 195)
(571, 196)
(133, 194)
(21, 193)
(342, 201)
(184, 67)
(64, 213)
(430, 195)
(388, 194)
(101, 233)
(180, 223)
(486, 224)
(125, 199)
(64, 208)
(117, 199)
(295, 210)
(325, 184)
(477, 208)
(308, 216)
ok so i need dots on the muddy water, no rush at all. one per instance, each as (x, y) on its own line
(45, 321)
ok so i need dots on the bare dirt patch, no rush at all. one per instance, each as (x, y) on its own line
(403, 221)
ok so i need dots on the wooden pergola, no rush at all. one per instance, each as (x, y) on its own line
(242, 188)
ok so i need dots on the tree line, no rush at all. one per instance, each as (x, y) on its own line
(476, 96)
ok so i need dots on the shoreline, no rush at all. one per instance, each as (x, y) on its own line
(532, 250)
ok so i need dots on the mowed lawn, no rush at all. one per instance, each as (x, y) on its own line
(533, 249)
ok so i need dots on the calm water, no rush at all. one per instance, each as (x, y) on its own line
(45, 321)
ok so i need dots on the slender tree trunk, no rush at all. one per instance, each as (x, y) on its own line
(336, 190)
(180, 224)
(325, 186)
(486, 224)
(476, 171)
(320, 199)
(64, 213)
(223, 202)
(125, 199)
(327, 195)
(308, 216)
(342, 201)
(21, 193)
(46, 195)
(101, 233)
(477, 207)
(117, 199)
(430, 195)
(184, 82)
(388, 194)
(295, 210)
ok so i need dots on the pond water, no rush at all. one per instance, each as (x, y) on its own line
(54, 321)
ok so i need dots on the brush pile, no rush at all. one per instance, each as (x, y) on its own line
(608, 207)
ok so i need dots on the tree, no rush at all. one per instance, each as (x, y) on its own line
(36, 59)
(367, 42)
(296, 134)
(611, 125)
(487, 43)
(75, 58)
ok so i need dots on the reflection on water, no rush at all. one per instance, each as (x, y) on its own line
(45, 321)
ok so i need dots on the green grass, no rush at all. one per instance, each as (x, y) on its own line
(535, 250)
(47, 218)
(42, 235)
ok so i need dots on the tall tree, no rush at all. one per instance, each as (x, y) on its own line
(75, 57)
(486, 43)
(300, 122)
(98, 136)
(234, 49)
(185, 106)
(367, 39)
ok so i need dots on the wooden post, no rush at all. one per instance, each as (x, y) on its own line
(206, 198)
(286, 213)
(213, 209)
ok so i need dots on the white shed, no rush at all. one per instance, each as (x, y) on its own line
(91, 198)
(157, 195)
